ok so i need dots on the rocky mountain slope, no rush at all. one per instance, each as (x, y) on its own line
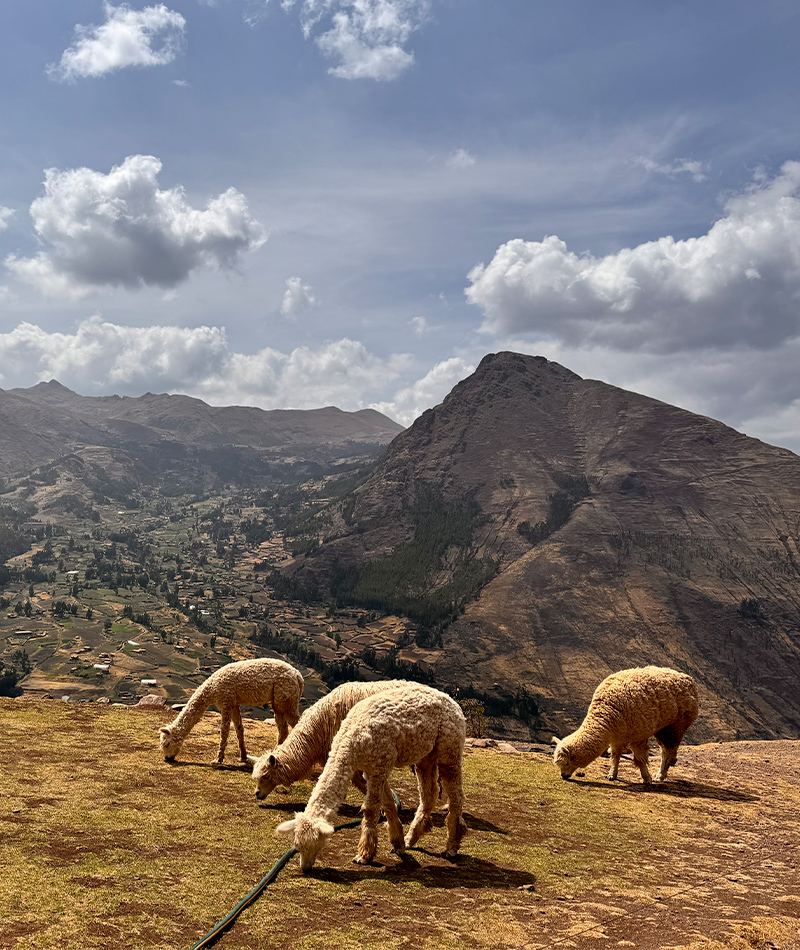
(609, 530)
(156, 433)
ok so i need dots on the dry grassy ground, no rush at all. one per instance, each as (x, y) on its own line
(104, 845)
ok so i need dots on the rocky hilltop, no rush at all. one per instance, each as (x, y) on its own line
(582, 529)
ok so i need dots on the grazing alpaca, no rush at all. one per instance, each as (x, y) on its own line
(312, 737)
(409, 725)
(627, 708)
(249, 683)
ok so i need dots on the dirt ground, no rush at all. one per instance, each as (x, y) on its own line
(104, 845)
(736, 880)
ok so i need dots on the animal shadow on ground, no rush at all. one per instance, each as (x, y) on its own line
(439, 819)
(225, 767)
(462, 871)
(677, 788)
(345, 811)
(406, 815)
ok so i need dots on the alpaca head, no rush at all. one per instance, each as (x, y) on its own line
(268, 774)
(170, 745)
(562, 756)
(310, 837)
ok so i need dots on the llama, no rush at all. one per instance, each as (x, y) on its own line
(627, 708)
(410, 725)
(248, 682)
(310, 741)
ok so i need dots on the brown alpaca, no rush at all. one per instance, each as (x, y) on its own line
(627, 708)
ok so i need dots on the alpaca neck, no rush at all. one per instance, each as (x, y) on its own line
(301, 750)
(332, 787)
(191, 713)
(587, 743)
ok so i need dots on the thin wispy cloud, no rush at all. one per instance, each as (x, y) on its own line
(5, 214)
(679, 167)
(152, 36)
(460, 158)
(121, 230)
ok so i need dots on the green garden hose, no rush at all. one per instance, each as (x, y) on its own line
(268, 878)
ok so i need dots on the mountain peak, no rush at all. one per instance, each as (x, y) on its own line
(599, 528)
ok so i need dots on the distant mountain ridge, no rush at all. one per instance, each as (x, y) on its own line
(40, 424)
(616, 531)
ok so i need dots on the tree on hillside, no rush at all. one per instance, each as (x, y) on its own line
(8, 681)
(21, 662)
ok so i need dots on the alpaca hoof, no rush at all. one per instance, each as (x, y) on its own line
(362, 859)
(399, 849)
(449, 854)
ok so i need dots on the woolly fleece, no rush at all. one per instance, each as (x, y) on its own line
(245, 683)
(411, 725)
(628, 708)
(310, 741)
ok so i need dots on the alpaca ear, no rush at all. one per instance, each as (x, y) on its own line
(164, 730)
(287, 826)
(324, 828)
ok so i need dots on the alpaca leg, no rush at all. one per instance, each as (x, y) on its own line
(428, 793)
(641, 753)
(616, 752)
(395, 825)
(236, 715)
(368, 843)
(224, 729)
(292, 713)
(669, 738)
(283, 726)
(450, 776)
(668, 757)
(360, 782)
(442, 800)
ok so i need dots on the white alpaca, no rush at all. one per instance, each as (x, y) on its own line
(627, 708)
(248, 683)
(312, 737)
(410, 725)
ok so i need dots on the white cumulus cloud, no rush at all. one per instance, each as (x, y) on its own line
(411, 401)
(297, 298)
(122, 230)
(738, 284)
(152, 36)
(102, 357)
(5, 214)
(366, 37)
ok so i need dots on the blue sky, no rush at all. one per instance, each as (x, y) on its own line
(296, 203)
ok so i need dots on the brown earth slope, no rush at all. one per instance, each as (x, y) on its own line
(685, 518)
